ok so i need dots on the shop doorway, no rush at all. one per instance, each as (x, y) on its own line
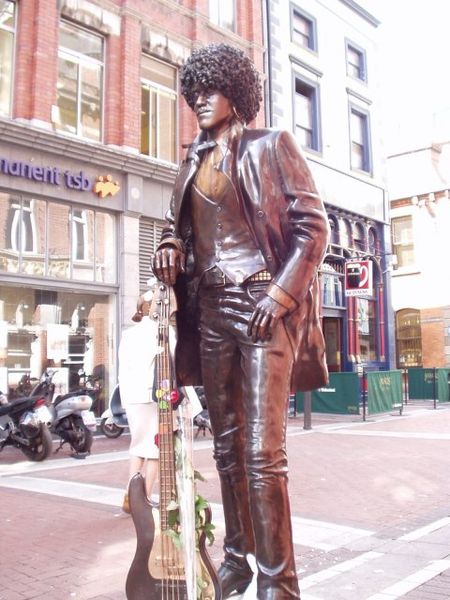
(332, 331)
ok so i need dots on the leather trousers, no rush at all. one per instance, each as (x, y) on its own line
(247, 388)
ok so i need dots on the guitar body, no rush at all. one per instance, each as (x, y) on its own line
(142, 581)
(154, 578)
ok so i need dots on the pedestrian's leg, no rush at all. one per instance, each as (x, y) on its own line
(151, 474)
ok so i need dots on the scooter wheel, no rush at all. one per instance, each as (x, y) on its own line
(111, 430)
(41, 445)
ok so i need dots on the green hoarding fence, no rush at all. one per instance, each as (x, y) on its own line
(443, 385)
(384, 391)
(340, 396)
(428, 384)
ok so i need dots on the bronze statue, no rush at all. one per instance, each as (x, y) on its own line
(246, 233)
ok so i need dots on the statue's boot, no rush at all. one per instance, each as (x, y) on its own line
(234, 572)
(270, 509)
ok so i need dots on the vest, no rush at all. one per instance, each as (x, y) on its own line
(221, 236)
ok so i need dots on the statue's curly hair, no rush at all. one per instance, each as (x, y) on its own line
(226, 69)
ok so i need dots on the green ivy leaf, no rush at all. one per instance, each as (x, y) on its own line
(198, 476)
(174, 536)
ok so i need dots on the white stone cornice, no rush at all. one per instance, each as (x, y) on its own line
(42, 140)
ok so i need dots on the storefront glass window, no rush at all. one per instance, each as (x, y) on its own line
(34, 232)
(59, 241)
(39, 237)
(7, 25)
(105, 262)
(64, 331)
(409, 338)
(367, 331)
(83, 228)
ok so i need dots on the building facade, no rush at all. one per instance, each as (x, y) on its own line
(91, 130)
(420, 210)
(323, 84)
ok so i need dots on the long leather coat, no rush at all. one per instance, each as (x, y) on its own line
(288, 220)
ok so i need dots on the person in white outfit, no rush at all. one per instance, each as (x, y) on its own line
(138, 349)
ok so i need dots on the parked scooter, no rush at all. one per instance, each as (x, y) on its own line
(23, 424)
(71, 417)
(201, 420)
(73, 420)
(114, 419)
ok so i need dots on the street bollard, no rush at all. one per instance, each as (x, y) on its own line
(434, 388)
(307, 407)
(364, 393)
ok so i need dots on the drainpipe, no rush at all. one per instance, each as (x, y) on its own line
(267, 63)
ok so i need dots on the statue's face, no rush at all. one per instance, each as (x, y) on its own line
(213, 110)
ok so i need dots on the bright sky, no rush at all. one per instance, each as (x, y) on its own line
(415, 57)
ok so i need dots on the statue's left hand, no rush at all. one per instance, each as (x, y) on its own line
(264, 319)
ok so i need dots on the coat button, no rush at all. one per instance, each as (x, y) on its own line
(269, 258)
(260, 213)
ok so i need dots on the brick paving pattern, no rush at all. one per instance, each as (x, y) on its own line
(365, 485)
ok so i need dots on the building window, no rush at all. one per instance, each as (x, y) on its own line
(306, 114)
(334, 227)
(402, 241)
(360, 140)
(303, 29)
(367, 329)
(7, 27)
(80, 235)
(159, 103)
(332, 288)
(356, 62)
(359, 238)
(373, 241)
(409, 338)
(67, 330)
(345, 233)
(80, 83)
(52, 239)
(222, 13)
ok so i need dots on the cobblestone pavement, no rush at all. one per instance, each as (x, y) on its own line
(370, 506)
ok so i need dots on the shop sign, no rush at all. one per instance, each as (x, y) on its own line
(73, 180)
(358, 278)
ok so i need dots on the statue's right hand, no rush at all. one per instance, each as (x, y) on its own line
(168, 262)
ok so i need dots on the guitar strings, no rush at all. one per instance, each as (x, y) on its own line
(169, 554)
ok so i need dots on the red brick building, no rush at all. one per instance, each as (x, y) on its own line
(91, 128)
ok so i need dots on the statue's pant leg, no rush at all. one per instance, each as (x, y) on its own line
(266, 376)
(247, 388)
(223, 391)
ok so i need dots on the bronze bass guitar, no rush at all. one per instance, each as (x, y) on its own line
(163, 568)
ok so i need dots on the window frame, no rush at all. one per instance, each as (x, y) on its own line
(312, 44)
(409, 244)
(13, 32)
(364, 114)
(372, 320)
(314, 97)
(219, 23)
(14, 240)
(157, 87)
(74, 57)
(408, 343)
(362, 66)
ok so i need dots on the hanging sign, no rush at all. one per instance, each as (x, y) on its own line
(358, 278)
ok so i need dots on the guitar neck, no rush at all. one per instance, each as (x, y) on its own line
(165, 393)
